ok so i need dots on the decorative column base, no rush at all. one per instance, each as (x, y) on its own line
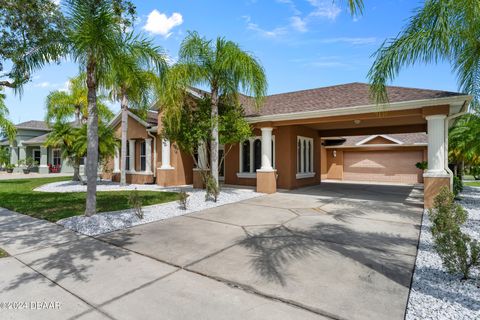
(266, 181)
(166, 177)
(198, 182)
(432, 184)
(43, 169)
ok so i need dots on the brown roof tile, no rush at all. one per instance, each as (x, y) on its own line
(339, 96)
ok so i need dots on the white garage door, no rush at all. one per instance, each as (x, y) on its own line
(382, 166)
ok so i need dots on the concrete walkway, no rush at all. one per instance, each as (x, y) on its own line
(334, 251)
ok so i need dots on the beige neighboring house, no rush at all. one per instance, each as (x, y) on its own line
(29, 142)
(301, 138)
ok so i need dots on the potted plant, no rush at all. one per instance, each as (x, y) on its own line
(9, 167)
(27, 164)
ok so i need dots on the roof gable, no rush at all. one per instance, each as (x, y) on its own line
(379, 139)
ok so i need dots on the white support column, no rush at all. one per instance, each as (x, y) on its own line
(13, 155)
(202, 156)
(43, 166)
(22, 153)
(266, 149)
(116, 161)
(436, 146)
(166, 155)
(148, 155)
(131, 155)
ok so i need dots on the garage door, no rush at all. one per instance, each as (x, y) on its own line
(382, 166)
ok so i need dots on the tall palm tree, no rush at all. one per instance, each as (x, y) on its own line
(439, 31)
(6, 126)
(94, 40)
(132, 80)
(222, 66)
(62, 106)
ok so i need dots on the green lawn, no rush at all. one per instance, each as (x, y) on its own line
(472, 183)
(18, 195)
(3, 254)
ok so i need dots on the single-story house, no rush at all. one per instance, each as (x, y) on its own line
(29, 142)
(301, 138)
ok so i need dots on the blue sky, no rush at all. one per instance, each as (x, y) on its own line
(301, 43)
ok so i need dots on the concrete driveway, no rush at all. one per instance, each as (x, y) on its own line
(335, 251)
(342, 251)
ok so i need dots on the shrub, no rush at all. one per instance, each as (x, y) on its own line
(475, 172)
(459, 253)
(457, 186)
(183, 199)
(135, 202)
(212, 188)
(422, 165)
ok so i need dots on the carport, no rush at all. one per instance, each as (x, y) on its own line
(295, 123)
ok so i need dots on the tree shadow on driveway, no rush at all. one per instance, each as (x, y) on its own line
(273, 250)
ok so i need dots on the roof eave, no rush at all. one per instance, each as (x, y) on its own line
(404, 105)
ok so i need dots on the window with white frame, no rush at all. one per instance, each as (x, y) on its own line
(143, 156)
(37, 156)
(56, 157)
(127, 158)
(251, 156)
(305, 157)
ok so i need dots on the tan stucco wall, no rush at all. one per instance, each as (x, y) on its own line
(285, 158)
(432, 187)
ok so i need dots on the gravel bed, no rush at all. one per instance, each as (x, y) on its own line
(116, 220)
(436, 294)
(103, 185)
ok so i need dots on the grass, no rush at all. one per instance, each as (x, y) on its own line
(472, 183)
(18, 195)
(3, 253)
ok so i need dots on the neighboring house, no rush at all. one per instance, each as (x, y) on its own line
(29, 142)
(293, 134)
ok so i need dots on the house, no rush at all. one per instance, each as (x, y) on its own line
(29, 142)
(301, 138)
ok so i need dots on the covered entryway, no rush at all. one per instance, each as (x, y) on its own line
(382, 166)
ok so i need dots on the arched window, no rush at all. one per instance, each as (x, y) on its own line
(246, 156)
(299, 156)
(310, 156)
(304, 156)
(257, 154)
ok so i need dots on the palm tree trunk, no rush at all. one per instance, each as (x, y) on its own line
(76, 172)
(123, 152)
(215, 140)
(92, 144)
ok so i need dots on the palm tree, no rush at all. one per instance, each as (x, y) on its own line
(62, 106)
(464, 137)
(132, 81)
(6, 126)
(440, 30)
(63, 136)
(222, 66)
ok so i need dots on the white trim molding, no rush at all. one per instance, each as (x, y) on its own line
(305, 150)
(384, 136)
(305, 175)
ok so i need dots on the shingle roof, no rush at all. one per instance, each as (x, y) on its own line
(339, 96)
(406, 138)
(37, 140)
(33, 124)
(152, 117)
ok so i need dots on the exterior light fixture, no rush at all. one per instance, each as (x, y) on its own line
(357, 121)
(334, 153)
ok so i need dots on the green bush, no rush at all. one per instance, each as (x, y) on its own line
(135, 202)
(422, 165)
(183, 199)
(459, 253)
(457, 186)
(475, 172)
(212, 188)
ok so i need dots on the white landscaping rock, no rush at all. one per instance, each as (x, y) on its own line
(436, 294)
(111, 221)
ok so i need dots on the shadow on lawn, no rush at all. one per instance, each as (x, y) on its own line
(273, 250)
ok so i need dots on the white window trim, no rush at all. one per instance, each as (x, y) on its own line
(305, 174)
(252, 174)
(52, 159)
(144, 156)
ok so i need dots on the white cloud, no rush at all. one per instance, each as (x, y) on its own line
(274, 33)
(325, 9)
(298, 24)
(44, 84)
(159, 23)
